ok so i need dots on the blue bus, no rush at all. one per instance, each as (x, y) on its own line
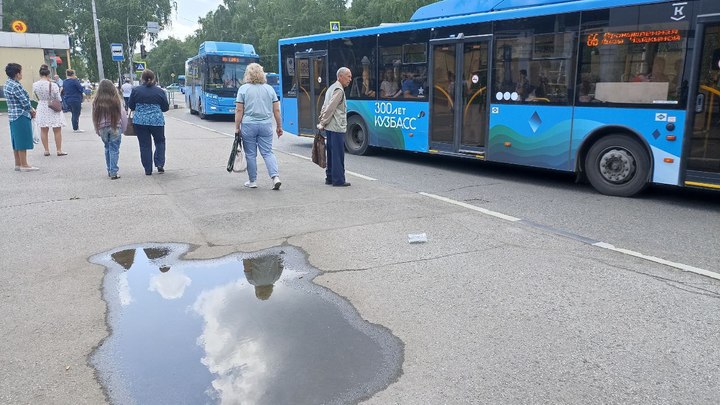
(212, 78)
(273, 79)
(624, 93)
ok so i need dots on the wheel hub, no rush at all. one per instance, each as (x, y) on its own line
(617, 166)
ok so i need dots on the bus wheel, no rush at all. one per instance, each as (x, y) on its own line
(356, 138)
(617, 165)
(202, 111)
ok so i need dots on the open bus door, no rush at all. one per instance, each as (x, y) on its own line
(459, 94)
(702, 148)
(311, 82)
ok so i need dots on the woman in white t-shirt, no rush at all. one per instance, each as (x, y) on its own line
(389, 88)
(256, 104)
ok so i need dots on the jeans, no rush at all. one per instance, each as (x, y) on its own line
(335, 148)
(111, 137)
(146, 154)
(259, 136)
(75, 107)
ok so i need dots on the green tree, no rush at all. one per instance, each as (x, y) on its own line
(370, 13)
(45, 17)
(168, 57)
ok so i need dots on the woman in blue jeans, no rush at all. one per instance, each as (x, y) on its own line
(256, 104)
(110, 121)
(149, 102)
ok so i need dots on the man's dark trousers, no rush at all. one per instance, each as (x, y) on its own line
(75, 107)
(335, 147)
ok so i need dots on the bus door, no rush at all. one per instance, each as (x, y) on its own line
(312, 82)
(459, 96)
(703, 146)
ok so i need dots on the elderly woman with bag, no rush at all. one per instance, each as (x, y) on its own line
(49, 110)
(20, 115)
(256, 104)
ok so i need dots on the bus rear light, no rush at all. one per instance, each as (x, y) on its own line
(669, 160)
(507, 144)
(671, 138)
(410, 134)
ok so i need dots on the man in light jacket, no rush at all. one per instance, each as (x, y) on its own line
(333, 119)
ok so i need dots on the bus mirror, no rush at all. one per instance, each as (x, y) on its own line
(700, 103)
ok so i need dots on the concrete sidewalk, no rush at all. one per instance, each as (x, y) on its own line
(489, 311)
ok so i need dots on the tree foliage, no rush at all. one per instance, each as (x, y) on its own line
(258, 22)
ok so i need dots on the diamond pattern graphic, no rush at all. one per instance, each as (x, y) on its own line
(535, 122)
(656, 134)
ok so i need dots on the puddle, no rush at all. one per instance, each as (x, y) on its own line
(243, 329)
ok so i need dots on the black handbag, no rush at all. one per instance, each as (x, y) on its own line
(233, 153)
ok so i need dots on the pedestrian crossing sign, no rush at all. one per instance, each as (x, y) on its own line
(334, 26)
(139, 66)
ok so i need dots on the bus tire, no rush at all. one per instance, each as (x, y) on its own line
(618, 165)
(201, 111)
(357, 141)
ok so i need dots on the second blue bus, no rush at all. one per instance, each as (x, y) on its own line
(213, 76)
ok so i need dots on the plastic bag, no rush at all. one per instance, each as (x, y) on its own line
(36, 132)
(240, 161)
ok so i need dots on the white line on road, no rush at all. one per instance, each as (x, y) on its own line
(296, 155)
(680, 266)
(472, 207)
(203, 127)
(360, 175)
(603, 245)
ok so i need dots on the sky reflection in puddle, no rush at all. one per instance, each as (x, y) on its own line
(250, 329)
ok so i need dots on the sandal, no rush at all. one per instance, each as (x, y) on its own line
(47, 153)
(61, 153)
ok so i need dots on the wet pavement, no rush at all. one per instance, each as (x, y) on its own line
(250, 329)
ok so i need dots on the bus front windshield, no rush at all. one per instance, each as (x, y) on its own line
(224, 79)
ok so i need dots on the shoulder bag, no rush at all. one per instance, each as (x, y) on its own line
(130, 129)
(55, 105)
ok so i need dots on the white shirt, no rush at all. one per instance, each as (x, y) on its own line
(127, 89)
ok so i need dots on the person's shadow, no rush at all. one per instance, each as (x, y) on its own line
(262, 272)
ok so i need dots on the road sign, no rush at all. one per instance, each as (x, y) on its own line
(334, 26)
(139, 66)
(19, 26)
(153, 27)
(117, 52)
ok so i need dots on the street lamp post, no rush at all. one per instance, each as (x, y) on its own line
(101, 70)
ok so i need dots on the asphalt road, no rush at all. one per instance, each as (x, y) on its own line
(675, 224)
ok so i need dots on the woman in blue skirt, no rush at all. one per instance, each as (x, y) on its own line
(20, 114)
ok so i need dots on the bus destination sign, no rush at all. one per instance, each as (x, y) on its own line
(633, 37)
(231, 59)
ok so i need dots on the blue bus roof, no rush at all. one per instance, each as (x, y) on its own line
(455, 12)
(227, 49)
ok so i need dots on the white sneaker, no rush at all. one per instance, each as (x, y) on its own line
(276, 183)
(79, 130)
(29, 169)
(250, 184)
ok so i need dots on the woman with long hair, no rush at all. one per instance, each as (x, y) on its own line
(149, 102)
(47, 90)
(256, 104)
(110, 120)
(20, 114)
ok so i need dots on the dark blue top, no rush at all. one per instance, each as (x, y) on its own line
(72, 90)
(148, 103)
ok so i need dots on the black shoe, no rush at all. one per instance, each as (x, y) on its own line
(328, 182)
(161, 169)
(148, 173)
(115, 177)
(346, 184)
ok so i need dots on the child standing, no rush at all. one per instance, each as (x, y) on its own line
(110, 121)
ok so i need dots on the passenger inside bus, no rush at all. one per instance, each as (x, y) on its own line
(657, 74)
(389, 87)
(412, 85)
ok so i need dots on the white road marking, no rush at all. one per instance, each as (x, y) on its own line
(362, 176)
(602, 245)
(680, 266)
(472, 207)
(204, 127)
(296, 155)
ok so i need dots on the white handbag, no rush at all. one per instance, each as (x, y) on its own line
(240, 161)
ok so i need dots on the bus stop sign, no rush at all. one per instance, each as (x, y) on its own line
(117, 52)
